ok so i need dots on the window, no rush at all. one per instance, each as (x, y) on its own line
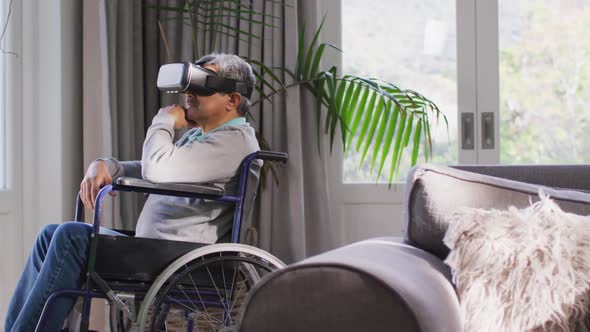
(544, 81)
(412, 44)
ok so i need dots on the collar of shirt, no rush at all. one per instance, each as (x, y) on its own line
(199, 136)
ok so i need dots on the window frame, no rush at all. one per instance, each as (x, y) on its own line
(11, 104)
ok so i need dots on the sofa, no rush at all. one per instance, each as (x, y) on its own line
(402, 284)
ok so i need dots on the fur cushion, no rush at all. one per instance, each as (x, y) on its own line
(521, 269)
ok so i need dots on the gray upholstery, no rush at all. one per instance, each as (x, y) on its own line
(435, 191)
(391, 284)
(361, 287)
(558, 176)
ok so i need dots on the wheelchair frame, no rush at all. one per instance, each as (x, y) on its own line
(94, 281)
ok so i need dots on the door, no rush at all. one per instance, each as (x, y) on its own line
(436, 48)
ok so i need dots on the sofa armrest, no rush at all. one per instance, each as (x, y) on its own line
(372, 285)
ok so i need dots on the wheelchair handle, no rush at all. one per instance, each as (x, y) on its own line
(272, 156)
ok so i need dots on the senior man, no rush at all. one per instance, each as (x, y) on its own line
(210, 153)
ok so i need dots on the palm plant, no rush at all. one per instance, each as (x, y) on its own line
(371, 115)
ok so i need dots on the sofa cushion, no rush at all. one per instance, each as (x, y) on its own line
(521, 269)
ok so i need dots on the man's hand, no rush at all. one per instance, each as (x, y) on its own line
(178, 113)
(97, 176)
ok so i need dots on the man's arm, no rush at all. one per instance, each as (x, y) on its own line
(132, 168)
(118, 169)
(217, 157)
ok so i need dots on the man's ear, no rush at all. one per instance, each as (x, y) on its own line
(234, 101)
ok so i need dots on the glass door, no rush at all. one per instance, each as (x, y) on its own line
(427, 46)
(544, 81)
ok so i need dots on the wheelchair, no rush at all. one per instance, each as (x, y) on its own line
(162, 285)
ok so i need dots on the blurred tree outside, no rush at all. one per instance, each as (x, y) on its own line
(544, 81)
(544, 74)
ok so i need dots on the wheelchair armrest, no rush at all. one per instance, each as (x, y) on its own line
(272, 156)
(170, 189)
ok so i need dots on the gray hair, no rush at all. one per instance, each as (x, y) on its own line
(236, 68)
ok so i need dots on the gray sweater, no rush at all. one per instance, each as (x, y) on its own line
(193, 158)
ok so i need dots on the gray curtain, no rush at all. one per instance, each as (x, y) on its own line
(292, 216)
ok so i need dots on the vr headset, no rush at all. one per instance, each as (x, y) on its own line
(193, 78)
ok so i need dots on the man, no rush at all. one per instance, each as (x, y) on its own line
(211, 153)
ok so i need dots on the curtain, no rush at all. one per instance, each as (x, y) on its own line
(292, 217)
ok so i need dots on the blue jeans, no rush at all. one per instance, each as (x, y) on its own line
(57, 260)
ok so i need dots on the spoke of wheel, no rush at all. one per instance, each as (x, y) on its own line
(209, 318)
(224, 283)
(198, 293)
(233, 282)
(229, 294)
(237, 296)
(188, 298)
(216, 288)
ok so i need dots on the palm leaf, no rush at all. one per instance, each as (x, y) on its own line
(337, 120)
(310, 52)
(388, 138)
(368, 115)
(266, 70)
(397, 153)
(403, 144)
(373, 125)
(351, 107)
(409, 131)
(397, 148)
(380, 134)
(300, 52)
(319, 87)
(358, 113)
(416, 146)
(370, 112)
(332, 116)
(346, 110)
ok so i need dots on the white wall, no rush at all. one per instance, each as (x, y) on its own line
(45, 104)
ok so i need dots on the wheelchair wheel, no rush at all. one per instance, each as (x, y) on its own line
(206, 291)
